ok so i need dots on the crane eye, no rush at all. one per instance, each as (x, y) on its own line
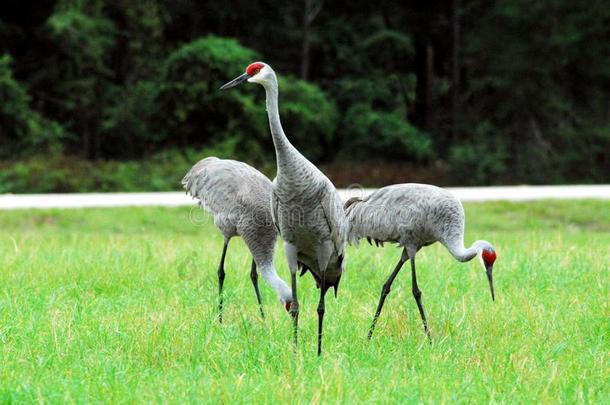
(255, 71)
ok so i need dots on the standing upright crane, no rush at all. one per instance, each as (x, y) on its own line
(414, 216)
(306, 207)
(239, 198)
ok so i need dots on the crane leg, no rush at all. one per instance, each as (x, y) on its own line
(324, 252)
(385, 290)
(321, 310)
(294, 308)
(417, 295)
(293, 264)
(254, 278)
(221, 278)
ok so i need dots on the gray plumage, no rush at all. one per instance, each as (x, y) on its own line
(414, 216)
(306, 209)
(239, 199)
(308, 213)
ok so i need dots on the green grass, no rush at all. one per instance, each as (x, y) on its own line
(119, 305)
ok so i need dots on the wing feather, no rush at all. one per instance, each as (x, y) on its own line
(274, 208)
(336, 220)
(381, 216)
(398, 212)
(225, 186)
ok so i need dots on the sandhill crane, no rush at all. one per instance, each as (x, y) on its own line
(239, 198)
(414, 216)
(307, 209)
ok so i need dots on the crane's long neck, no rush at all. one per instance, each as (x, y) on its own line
(282, 145)
(461, 253)
(270, 276)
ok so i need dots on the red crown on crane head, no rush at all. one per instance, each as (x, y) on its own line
(489, 256)
(254, 68)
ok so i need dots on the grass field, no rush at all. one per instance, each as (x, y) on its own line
(119, 306)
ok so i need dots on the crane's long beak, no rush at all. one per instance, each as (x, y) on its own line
(235, 82)
(489, 270)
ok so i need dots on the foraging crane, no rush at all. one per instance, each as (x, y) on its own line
(414, 216)
(239, 198)
(306, 207)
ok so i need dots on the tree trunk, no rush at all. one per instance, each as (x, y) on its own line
(86, 145)
(455, 67)
(424, 60)
(310, 12)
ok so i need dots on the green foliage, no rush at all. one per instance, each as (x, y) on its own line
(373, 125)
(309, 117)
(196, 112)
(192, 108)
(480, 159)
(78, 76)
(56, 173)
(83, 33)
(390, 93)
(143, 24)
(378, 133)
(128, 122)
(126, 80)
(592, 142)
(533, 86)
(22, 129)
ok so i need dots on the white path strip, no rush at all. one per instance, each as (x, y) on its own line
(173, 199)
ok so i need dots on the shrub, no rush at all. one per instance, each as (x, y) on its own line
(309, 117)
(482, 159)
(22, 129)
(195, 112)
(192, 109)
(62, 174)
(374, 133)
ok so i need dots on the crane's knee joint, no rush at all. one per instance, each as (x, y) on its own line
(385, 290)
(294, 309)
(416, 293)
(321, 310)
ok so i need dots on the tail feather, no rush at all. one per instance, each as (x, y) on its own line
(368, 221)
(351, 201)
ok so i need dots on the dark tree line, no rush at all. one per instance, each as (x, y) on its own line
(499, 91)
